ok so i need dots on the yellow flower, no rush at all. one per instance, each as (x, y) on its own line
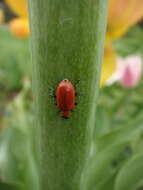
(122, 15)
(1, 16)
(19, 7)
(109, 64)
(19, 27)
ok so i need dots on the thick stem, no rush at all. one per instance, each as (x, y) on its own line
(67, 42)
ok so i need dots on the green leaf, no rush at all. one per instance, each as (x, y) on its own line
(9, 186)
(130, 43)
(100, 166)
(119, 135)
(16, 139)
(14, 60)
(131, 174)
(103, 123)
(109, 183)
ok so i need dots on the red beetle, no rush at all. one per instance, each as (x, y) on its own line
(65, 97)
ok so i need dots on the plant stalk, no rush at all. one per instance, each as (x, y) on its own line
(67, 38)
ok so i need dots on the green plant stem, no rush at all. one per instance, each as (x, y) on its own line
(67, 42)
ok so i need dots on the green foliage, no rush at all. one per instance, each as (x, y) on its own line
(131, 43)
(18, 152)
(14, 67)
(121, 104)
(131, 174)
(8, 186)
(101, 166)
(116, 157)
(14, 61)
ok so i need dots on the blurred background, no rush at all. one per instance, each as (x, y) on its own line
(120, 106)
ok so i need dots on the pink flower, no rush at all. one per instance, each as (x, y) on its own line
(129, 71)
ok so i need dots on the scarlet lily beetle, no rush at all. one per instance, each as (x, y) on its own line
(65, 97)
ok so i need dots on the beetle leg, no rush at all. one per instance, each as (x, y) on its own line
(53, 96)
(65, 117)
(52, 92)
(58, 111)
(77, 82)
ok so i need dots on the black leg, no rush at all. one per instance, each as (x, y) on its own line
(65, 117)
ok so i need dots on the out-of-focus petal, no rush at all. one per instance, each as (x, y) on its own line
(122, 15)
(130, 70)
(1, 16)
(109, 64)
(20, 27)
(19, 7)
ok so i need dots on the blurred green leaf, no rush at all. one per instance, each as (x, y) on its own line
(8, 186)
(18, 151)
(103, 123)
(14, 60)
(130, 43)
(131, 174)
(101, 166)
(122, 105)
(108, 183)
(119, 135)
